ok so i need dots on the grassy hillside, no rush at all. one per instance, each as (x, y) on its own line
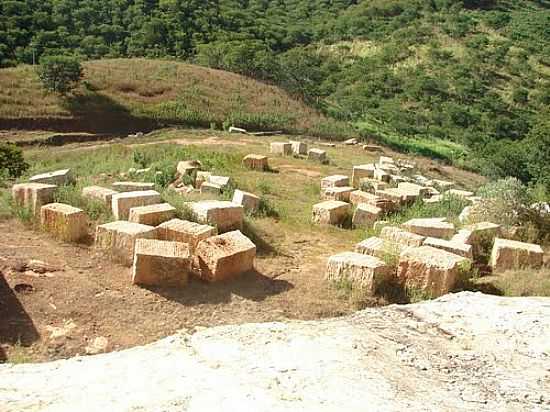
(126, 94)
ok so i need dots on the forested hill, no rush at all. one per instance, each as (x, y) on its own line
(464, 80)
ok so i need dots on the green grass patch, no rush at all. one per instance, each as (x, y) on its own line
(432, 147)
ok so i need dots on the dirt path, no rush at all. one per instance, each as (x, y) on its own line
(84, 296)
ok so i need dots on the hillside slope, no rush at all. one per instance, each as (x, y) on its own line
(129, 94)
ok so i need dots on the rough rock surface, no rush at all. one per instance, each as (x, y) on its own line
(152, 215)
(256, 162)
(330, 212)
(177, 230)
(64, 222)
(462, 352)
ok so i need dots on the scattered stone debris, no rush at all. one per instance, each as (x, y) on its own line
(97, 345)
(58, 178)
(337, 193)
(33, 196)
(366, 214)
(177, 230)
(362, 271)
(351, 142)
(152, 215)
(98, 193)
(334, 181)
(281, 148)
(123, 202)
(430, 271)
(459, 193)
(431, 227)
(299, 148)
(211, 188)
(359, 196)
(224, 256)
(256, 162)
(224, 215)
(458, 248)
(380, 248)
(511, 254)
(119, 238)
(161, 263)
(401, 237)
(188, 167)
(250, 202)
(64, 222)
(317, 155)
(331, 212)
(132, 186)
(361, 172)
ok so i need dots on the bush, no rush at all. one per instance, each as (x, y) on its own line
(12, 162)
(59, 74)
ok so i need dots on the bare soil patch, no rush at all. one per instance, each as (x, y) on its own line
(82, 296)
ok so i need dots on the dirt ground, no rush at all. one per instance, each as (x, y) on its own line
(74, 300)
(83, 296)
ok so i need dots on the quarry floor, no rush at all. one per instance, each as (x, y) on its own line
(85, 304)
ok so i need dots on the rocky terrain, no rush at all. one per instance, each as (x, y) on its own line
(465, 351)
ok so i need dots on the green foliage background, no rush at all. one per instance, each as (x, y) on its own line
(467, 81)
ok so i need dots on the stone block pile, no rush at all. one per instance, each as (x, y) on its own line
(146, 235)
(428, 256)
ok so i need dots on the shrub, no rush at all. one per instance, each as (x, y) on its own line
(12, 162)
(59, 74)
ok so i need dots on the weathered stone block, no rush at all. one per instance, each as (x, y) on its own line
(341, 194)
(298, 148)
(362, 271)
(33, 196)
(98, 193)
(317, 155)
(211, 188)
(225, 216)
(371, 185)
(249, 201)
(188, 167)
(386, 159)
(221, 181)
(123, 202)
(152, 215)
(119, 239)
(361, 172)
(380, 248)
(64, 222)
(225, 256)
(366, 214)
(334, 181)
(400, 236)
(330, 212)
(432, 271)
(351, 142)
(511, 254)
(132, 186)
(177, 230)
(161, 263)
(358, 196)
(281, 148)
(256, 162)
(393, 195)
(458, 248)
(481, 236)
(431, 227)
(417, 190)
(58, 177)
(201, 178)
(382, 175)
(459, 193)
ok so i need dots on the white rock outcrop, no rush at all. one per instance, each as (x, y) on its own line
(462, 352)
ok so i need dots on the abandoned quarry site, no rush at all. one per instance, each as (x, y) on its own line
(189, 270)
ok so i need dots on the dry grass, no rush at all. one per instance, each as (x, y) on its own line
(157, 89)
(521, 282)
